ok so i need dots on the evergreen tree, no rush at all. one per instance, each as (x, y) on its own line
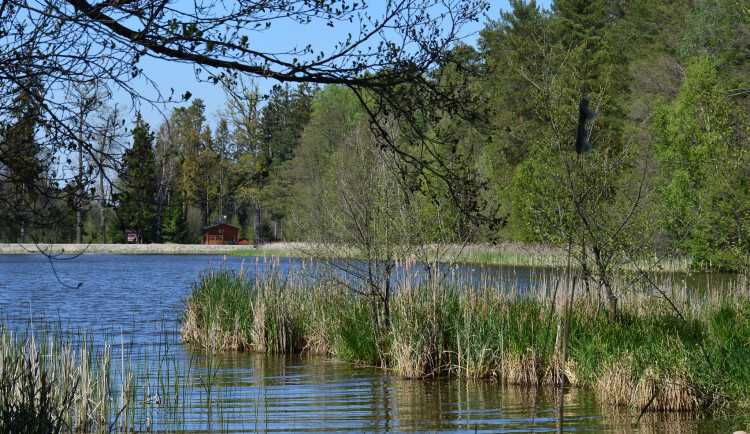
(244, 114)
(187, 126)
(223, 149)
(174, 227)
(283, 119)
(20, 164)
(138, 206)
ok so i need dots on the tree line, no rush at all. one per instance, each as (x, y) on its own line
(481, 149)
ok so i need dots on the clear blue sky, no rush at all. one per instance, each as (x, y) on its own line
(181, 77)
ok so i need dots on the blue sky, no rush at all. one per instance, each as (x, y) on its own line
(181, 77)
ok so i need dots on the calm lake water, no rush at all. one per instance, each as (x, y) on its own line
(134, 302)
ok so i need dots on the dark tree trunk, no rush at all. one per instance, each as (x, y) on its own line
(256, 220)
(23, 215)
(103, 209)
(604, 280)
(79, 199)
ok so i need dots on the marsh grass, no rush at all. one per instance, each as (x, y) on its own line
(275, 250)
(52, 381)
(492, 328)
(507, 254)
(546, 255)
(57, 380)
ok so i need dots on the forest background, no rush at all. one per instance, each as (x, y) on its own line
(669, 172)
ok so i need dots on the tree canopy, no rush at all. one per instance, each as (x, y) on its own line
(64, 43)
(477, 142)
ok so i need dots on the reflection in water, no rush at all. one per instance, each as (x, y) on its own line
(267, 393)
(137, 299)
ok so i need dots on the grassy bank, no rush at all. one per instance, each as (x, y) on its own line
(506, 254)
(545, 255)
(649, 356)
(117, 249)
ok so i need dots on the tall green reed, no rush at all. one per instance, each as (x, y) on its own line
(446, 325)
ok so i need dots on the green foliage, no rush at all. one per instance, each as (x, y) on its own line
(335, 111)
(115, 232)
(533, 190)
(354, 341)
(490, 159)
(706, 182)
(137, 209)
(284, 116)
(174, 226)
(716, 29)
(22, 162)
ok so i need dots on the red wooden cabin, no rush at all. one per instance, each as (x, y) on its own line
(221, 233)
(131, 236)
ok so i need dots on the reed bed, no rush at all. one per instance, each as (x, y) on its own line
(508, 254)
(60, 381)
(492, 328)
(546, 255)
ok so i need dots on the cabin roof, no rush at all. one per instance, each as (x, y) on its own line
(220, 224)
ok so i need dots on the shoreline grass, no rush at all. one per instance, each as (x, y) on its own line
(508, 254)
(494, 330)
(53, 380)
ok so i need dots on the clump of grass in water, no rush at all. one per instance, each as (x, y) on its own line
(447, 327)
(59, 382)
(275, 313)
(219, 312)
(29, 399)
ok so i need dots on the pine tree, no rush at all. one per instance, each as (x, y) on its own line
(174, 228)
(284, 118)
(138, 208)
(20, 154)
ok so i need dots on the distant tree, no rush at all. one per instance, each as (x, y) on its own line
(174, 228)
(86, 100)
(75, 41)
(283, 119)
(167, 165)
(22, 164)
(512, 50)
(186, 126)
(335, 112)
(243, 111)
(224, 150)
(706, 181)
(207, 179)
(137, 208)
(284, 116)
(109, 137)
(188, 165)
(37, 59)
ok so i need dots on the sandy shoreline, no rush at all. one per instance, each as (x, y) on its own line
(123, 249)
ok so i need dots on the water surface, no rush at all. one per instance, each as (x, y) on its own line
(135, 301)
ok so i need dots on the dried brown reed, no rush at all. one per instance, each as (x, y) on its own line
(523, 369)
(661, 392)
